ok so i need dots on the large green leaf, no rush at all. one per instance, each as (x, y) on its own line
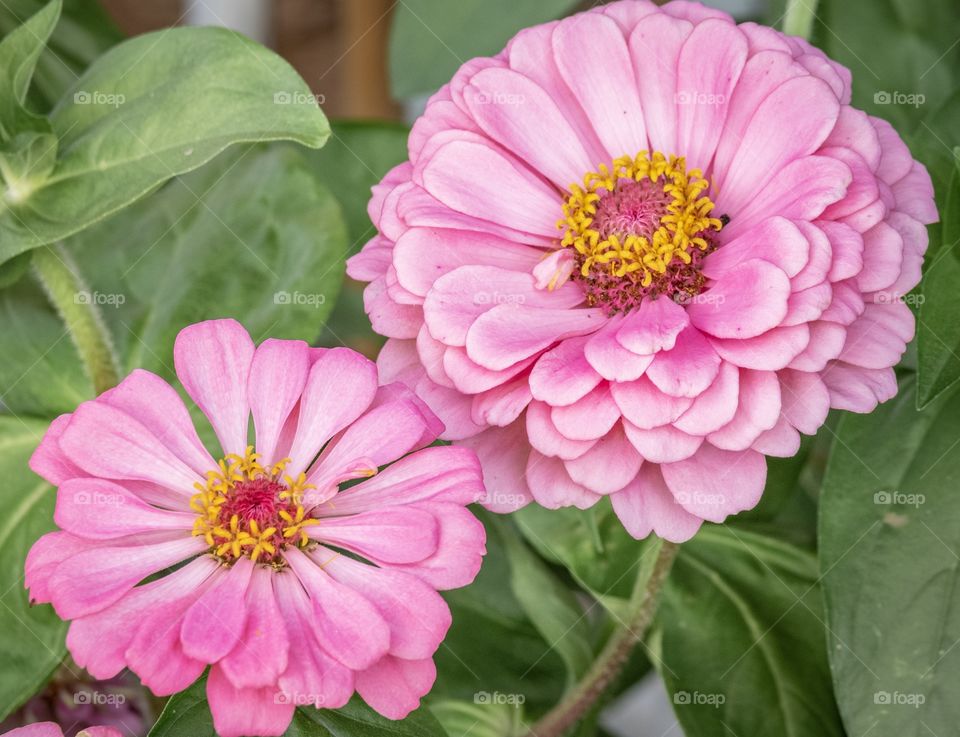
(31, 638)
(84, 32)
(432, 38)
(740, 639)
(938, 331)
(253, 236)
(187, 714)
(889, 546)
(151, 108)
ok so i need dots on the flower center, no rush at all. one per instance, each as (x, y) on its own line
(245, 508)
(639, 229)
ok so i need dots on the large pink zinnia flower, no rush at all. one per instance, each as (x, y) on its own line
(242, 555)
(640, 249)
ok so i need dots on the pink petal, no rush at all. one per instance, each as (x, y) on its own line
(688, 368)
(757, 411)
(768, 352)
(278, 374)
(391, 534)
(646, 505)
(97, 509)
(48, 460)
(156, 405)
(345, 623)
(589, 418)
(213, 624)
(743, 303)
(502, 405)
(508, 334)
(106, 442)
(212, 359)
(653, 327)
(562, 375)
(714, 483)
(260, 655)
(608, 466)
(858, 389)
(806, 400)
(716, 406)
(775, 239)
(592, 56)
(610, 359)
(664, 444)
(503, 454)
(552, 487)
(244, 711)
(393, 687)
(93, 579)
(40, 729)
(516, 112)
(645, 406)
(545, 438)
(417, 615)
(339, 388)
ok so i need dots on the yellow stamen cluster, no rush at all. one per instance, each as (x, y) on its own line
(231, 537)
(680, 228)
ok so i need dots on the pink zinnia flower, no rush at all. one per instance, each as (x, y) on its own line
(640, 249)
(241, 556)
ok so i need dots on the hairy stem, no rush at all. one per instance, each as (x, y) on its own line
(614, 655)
(76, 306)
(799, 16)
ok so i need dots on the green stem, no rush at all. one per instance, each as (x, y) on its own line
(614, 655)
(74, 302)
(799, 17)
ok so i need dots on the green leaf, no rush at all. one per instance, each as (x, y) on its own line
(430, 39)
(592, 545)
(31, 638)
(26, 162)
(154, 107)
(187, 714)
(254, 237)
(549, 604)
(492, 648)
(938, 331)
(84, 32)
(740, 639)
(460, 719)
(889, 542)
(19, 51)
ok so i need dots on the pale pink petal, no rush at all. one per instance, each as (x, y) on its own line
(608, 466)
(645, 406)
(502, 405)
(278, 374)
(391, 534)
(213, 624)
(743, 303)
(97, 509)
(544, 437)
(664, 444)
(610, 359)
(212, 359)
(244, 711)
(768, 352)
(393, 687)
(858, 389)
(806, 401)
(646, 505)
(714, 407)
(48, 460)
(757, 411)
(589, 418)
(776, 240)
(552, 486)
(652, 327)
(686, 369)
(714, 483)
(260, 655)
(563, 375)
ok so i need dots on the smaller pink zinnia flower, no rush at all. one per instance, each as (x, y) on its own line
(242, 557)
(49, 729)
